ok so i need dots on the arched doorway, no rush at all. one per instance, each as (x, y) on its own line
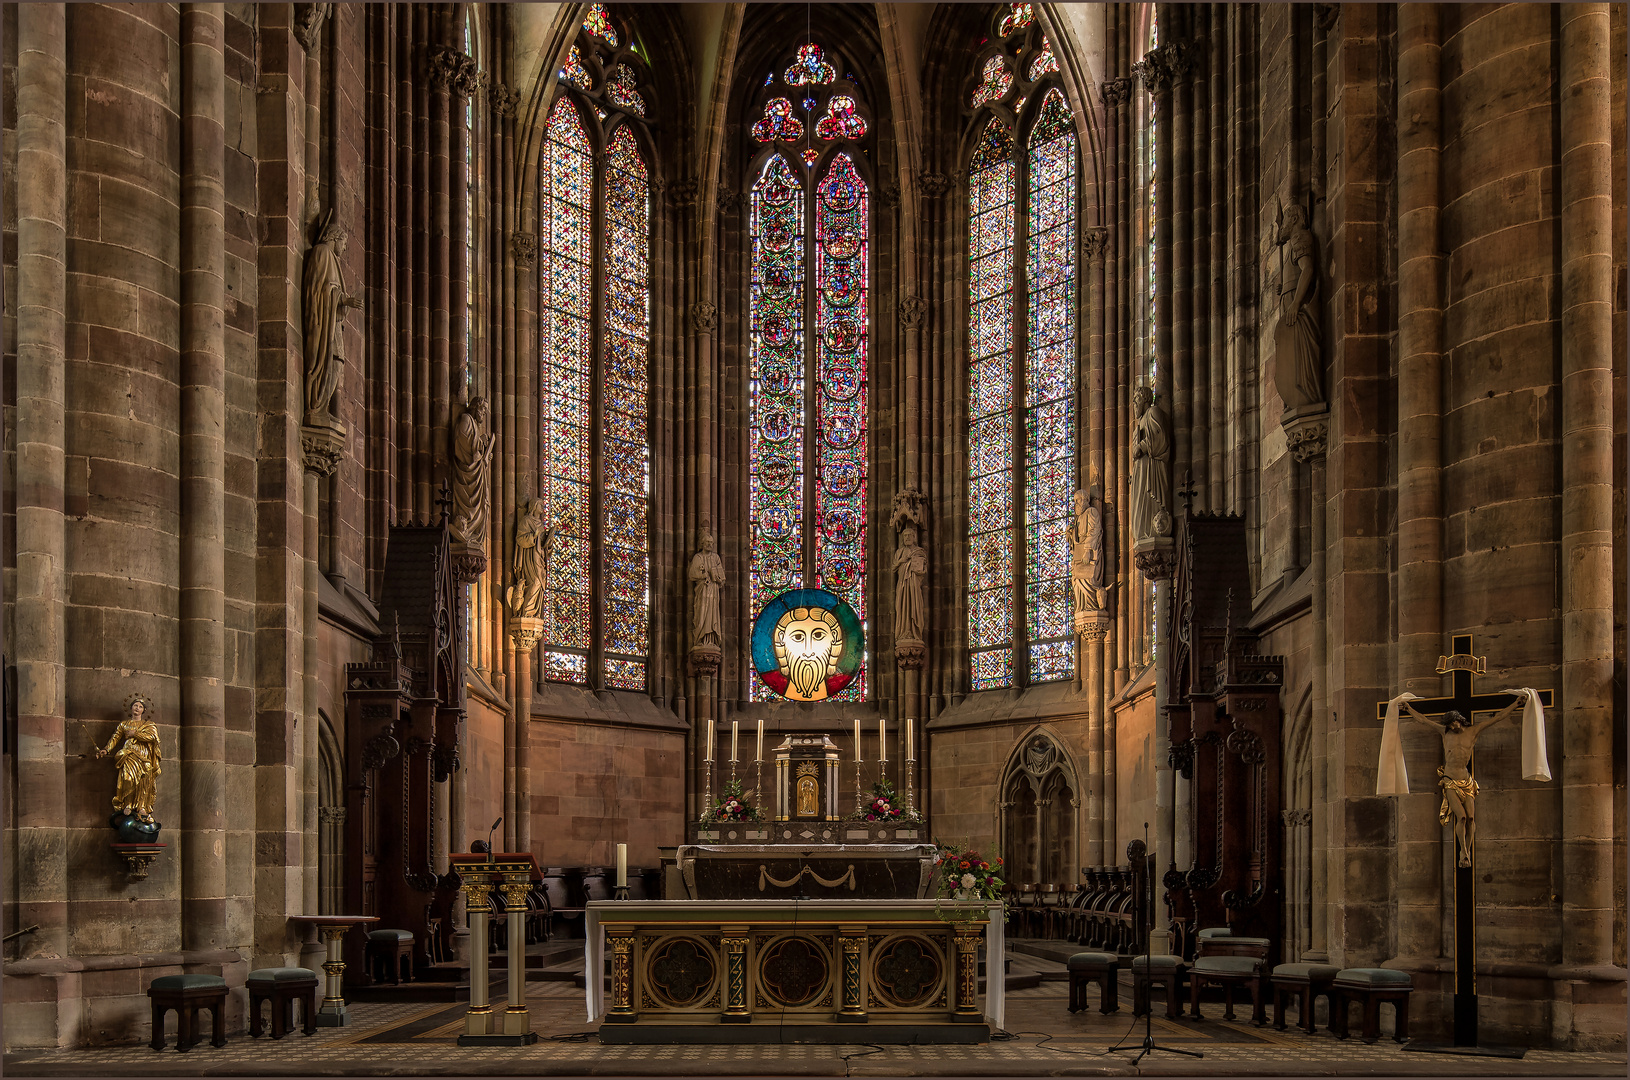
(1040, 814)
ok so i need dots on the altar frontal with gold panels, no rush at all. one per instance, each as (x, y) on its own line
(797, 971)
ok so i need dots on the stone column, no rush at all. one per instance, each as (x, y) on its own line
(203, 481)
(41, 583)
(1308, 437)
(525, 633)
(1587, 489)
(1156, 561)
(1177, 166)
(1420, 490)
(1100, 784)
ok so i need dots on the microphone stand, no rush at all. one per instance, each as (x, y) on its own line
(1149, 1044)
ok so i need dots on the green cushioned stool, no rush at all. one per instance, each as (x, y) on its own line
(282, 986)
(1098, 967)
(389, 950)
(1148, 970)
(1307, 982)
(186, 994)
(1372, 986)
(1227, 971)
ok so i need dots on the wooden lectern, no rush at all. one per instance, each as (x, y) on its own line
(512, 874)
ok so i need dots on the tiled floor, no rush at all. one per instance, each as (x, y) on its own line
(1047, 1040)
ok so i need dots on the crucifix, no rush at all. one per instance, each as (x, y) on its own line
(1459, 733)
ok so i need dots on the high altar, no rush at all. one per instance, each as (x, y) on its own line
(794, 927)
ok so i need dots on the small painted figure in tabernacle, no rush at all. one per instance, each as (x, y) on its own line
(137, 760)
(808, 804)
(1459, 805)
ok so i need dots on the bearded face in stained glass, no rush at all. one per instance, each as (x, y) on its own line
(811, 68)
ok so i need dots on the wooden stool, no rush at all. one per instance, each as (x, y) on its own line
(1372, 986)
(1098, 967)
(186, 994)
(283, 987)
(1228, 972)
(1164, 970)
(1307, 981)
(391, 948)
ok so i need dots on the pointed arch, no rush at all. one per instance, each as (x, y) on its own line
(1039, 826)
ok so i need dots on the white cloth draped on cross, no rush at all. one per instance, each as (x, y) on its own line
(1392, 774)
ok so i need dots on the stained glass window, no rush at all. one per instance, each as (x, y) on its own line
(809, 348)
(1049, 380)
(599, 24)
(1044, 62)
(1022, 396)
(993, 83)
(620, 89)
(1019, 16)
(625, 461)
(573, 71)
(991, 201)
(776, 409)
(567, 290)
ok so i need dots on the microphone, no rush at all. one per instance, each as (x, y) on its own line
(489, 835)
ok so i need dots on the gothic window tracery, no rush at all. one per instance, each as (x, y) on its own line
(810, 270)
(1023, 414)
(594, 282)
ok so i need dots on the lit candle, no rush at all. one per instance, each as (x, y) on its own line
(857, 741)
(735, 726)
(622, 865)
(709, 756)
(910, 755)
(759, 754)
(882, 740)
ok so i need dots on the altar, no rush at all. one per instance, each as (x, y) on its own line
(828, 971)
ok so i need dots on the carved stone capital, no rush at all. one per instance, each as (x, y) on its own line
(138, 858)
(704, 660)
(684, 192)
(501, 99)
(1165, 66)
(308, 24)
(912, 311)
(1092, 625)
(1116, 91)
(525, 633)
(322, 444)
(1094, 242)
(704, 317)
(910, 654)
(1307, 432)
(730, 200)
(524, 246)
(452, 71)
(331, 815)
(933, 184)
(890, 195)
(469, 562)
(1155, 557)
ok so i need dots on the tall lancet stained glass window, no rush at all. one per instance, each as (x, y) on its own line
(1023, 414)
(594, 300)
(810, 339)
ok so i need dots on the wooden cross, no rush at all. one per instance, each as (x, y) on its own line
(1465, 700)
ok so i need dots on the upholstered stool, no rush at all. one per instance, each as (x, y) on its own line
(283, 987)
(1165, 970)
(1372, 986)
(1098, 967)
(186, 994)
(392, 949)
(1228, 972)
(1307, 981)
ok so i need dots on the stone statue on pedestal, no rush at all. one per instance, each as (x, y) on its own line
(1151, 487)
(706, 577)
(472, 475)
(326, 301)
(534, 540)
(1089, 578)
(910, 567)
(1299, 351)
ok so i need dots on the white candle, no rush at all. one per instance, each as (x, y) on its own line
(735, 726)
(910, 756)
(622, 865)
(759, 754)
(882, 740)
(709, 755)
(857, 741)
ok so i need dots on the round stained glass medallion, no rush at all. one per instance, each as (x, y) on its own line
(841, 377)
(775, 472)
(776, 330)
(777, 426)
(777, 194)
(843, 478)
(843, 336)
(842, 242)
(841, 195)
(776, 236)
(796, 612)
(843, 288)
(841, 423)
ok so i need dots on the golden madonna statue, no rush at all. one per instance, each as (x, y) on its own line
(137, 760)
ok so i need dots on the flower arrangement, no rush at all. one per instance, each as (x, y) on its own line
(732, 805)
(965, 874)
(882, 805)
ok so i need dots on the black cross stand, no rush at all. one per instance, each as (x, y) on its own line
(1465, 701)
